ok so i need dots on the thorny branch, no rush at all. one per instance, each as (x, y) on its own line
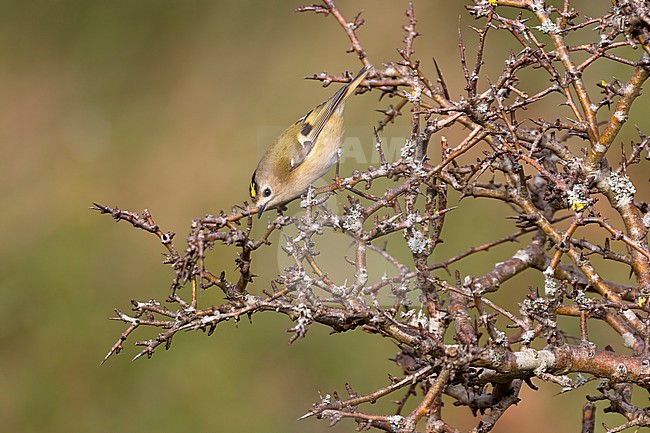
(546, 171)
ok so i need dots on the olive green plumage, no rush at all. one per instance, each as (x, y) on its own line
(303, 153)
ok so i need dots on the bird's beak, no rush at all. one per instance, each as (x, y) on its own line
(260, 210)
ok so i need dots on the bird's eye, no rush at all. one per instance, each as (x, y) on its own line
(267, 192)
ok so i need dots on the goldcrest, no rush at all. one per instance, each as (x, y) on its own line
(303, 153)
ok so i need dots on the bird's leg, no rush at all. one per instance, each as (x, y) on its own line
(337, 178)
(280, 211)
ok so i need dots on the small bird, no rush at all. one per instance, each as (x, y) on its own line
(303, 153)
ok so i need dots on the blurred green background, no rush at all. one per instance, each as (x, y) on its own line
(166, 105)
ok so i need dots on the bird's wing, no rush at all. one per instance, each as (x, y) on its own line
(309, 127)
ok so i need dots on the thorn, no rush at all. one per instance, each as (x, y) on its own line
(98, 207)
(108, 355)
(305, 416)
(138, 355)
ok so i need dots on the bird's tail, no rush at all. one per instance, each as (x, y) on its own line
(349, 88)
(337, 100)
(314, 122)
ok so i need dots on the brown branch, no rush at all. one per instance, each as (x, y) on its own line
(489, 144)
